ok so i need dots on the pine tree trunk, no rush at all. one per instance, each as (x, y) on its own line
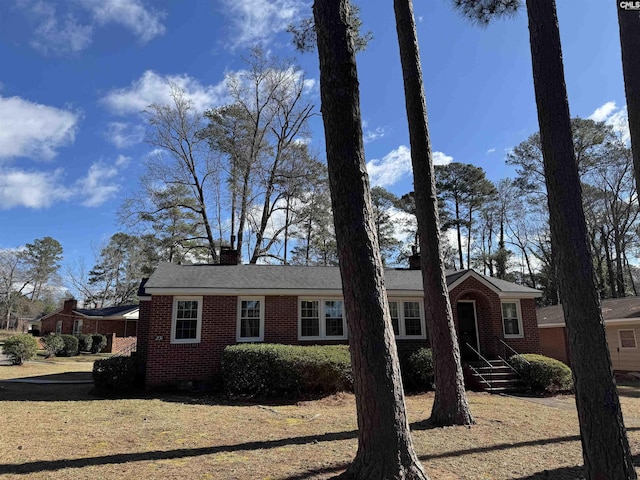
(450, 406)
(385, 449)
(458, 220)
(604, 441)
(629, 23)
(610, 270)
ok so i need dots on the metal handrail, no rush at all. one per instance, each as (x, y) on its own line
(127, 351)
(488, 382)
(512, 350)
(479, 355)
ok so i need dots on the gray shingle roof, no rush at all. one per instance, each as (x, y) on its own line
(107, 311)
(612, 309)
(171, 276)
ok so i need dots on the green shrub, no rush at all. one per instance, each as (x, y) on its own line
(99, 341)
(286, 370)
(84, 342)
(70, 348)
(542, 374)
(20, 348)
(115, 374)
(52, 344)
(417, 369)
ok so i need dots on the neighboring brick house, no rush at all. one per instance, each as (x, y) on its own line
(118, 324)
(190, 313)
(622, 326)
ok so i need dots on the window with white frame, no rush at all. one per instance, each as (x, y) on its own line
(321, 319)
(310, 318)
(407, 318)
(77, 327)
(511, 319)
(250, 319)
(59, 326)
(627, 338)
(186, 322)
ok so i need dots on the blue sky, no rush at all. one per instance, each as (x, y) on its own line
(76, 74)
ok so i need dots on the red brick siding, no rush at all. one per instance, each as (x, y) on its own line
(169, 364)
(281, 320)
(489, 318)
(553, 343)
(89, 325)
(143, 334)
(120, 345)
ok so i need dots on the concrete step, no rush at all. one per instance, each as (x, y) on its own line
(497, 378)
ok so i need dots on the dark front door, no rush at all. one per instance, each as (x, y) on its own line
(467, 328)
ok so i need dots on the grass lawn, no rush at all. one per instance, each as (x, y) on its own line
(62, 432)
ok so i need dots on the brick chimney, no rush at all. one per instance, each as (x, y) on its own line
(70, 305)
(229, 256)
(414, 259)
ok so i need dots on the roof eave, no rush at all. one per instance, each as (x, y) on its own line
(492, 287)
(298, 292)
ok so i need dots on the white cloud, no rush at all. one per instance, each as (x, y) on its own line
(122, 161)
(33, 130)
(391, 168)
(97, 186)
(131, 14)
(618, 118)
(71, 30)
(20, 188)
(375, 134)
(603, 112)
(54, 35)
(396, 164)
(123, 134)
(153, 88)
(311, 85)
(156, 153)
(256, 21)
(491, 150)
(404, 224)
(440, 158)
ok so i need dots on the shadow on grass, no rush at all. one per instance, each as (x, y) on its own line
(629, 389)
(52, 388)
(54, 465)
(27, 392)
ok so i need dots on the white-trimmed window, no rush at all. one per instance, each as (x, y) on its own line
(186, 322)
(250, 319)
(512, 319)
(407, 318)
(321, 319)
(627, 338)
(59, 326)
(77, 327)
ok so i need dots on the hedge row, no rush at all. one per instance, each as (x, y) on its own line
(70, 345)
(115, 374)
(270, 370)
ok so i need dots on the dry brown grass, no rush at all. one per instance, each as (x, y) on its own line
(62, 432)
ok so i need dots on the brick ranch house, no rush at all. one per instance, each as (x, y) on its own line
(190, 313)
(622, 325)
(118, 324)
